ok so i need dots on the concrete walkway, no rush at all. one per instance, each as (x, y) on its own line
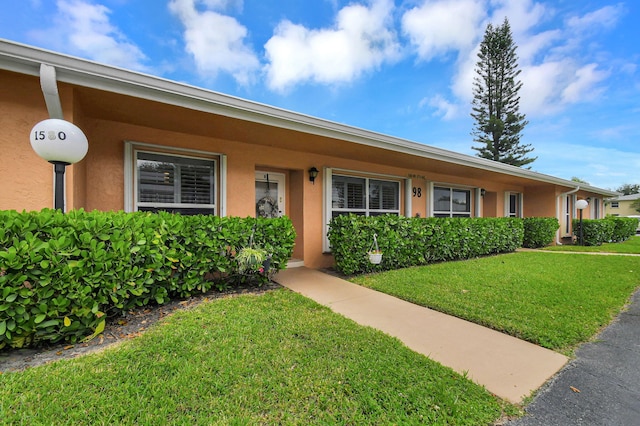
(506, 366)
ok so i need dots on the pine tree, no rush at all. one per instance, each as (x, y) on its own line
(496, 104)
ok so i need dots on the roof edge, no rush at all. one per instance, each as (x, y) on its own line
(26, 59)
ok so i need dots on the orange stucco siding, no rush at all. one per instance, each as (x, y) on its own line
(111, 120)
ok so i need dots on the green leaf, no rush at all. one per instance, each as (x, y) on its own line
(12, 297)
(39, 318)
(3, 327)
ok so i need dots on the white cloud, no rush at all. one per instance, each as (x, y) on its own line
(360, 40)
(584, 84)
(443, 108)
(216, 41)
(84, 29)
(606, 17)
(438, 27)
(557, 69)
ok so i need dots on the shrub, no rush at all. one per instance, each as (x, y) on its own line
(62, 274)
(611, 229)
(416, 241)
(624, 228)
(539, 231)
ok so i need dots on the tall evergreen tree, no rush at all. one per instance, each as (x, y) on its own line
(496, 104)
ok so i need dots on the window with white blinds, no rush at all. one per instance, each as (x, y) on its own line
(364, 196)
(175, 183)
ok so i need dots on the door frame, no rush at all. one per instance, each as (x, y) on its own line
(281, 180)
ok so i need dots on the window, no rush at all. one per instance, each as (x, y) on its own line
(615, 204)
(451, 202)
(513, 207)
(364, 196)
(173, 183)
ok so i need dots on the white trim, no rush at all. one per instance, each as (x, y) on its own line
(408, 197)
(326, 207)
(429, 198)
(281, 180)
(479, 202)
(27, 60)
(223, 186)
(131, 174)
(507, 204)
(129, 185)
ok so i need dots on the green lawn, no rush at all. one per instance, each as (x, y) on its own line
(632, 245)
(274, 358)
(551, 299)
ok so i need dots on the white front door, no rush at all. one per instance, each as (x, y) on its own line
(270, 190)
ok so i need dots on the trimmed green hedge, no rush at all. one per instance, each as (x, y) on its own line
(417, 241)
(610, 229)
(539, 231)
(62, 274)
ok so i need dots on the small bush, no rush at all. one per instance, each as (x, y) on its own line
(539, 231)
(611, 229)
(416, 241)
(62, 274)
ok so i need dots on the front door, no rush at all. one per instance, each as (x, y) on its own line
(270, 190)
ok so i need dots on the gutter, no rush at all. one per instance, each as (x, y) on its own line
(27, 60)
(573, 191)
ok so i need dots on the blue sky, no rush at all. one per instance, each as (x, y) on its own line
(403, 68)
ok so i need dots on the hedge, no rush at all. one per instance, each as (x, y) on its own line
(418, 241)
(539, 231)
(61, 274)
(610, 229)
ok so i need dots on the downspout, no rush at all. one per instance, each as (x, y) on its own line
(49, 85)
(573, 191)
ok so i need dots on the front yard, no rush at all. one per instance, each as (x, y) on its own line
(554, 300)
(278, 358)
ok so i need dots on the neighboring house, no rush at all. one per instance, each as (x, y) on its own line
(621, 206)
(157, 144)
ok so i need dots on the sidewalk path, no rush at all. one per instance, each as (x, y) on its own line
(506, 366)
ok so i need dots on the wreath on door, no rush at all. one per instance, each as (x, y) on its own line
(267, 207)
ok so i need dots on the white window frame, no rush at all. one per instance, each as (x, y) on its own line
(131, 203)
(507, 204)
(596, 208)
(431, 200)
(328, 209)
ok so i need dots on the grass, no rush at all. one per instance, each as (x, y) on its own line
(275, 358)
(554, 300)
(631, 246)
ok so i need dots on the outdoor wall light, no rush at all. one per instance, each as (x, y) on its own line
(313, 174)
(61, 143)
(482, 192)
(581, 205)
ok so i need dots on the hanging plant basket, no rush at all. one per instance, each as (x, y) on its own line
(375, 255)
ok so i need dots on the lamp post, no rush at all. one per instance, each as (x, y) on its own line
(581, 205)
(61, 143)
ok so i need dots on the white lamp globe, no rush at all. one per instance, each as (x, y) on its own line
(581, 204)
(59, 141)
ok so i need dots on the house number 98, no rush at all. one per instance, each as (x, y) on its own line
(417, 192)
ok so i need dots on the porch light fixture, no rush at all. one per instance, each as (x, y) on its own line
(581, 205)
(482, 192)
(313, 174)
(61, 143)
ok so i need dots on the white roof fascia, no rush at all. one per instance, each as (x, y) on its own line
(27, 60)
